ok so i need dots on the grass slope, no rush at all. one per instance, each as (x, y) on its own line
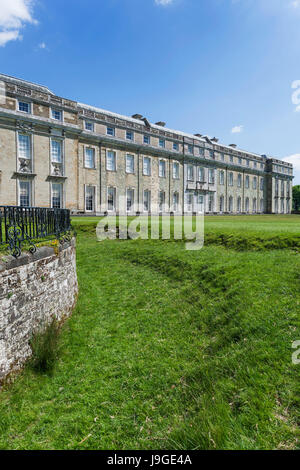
(168, 349)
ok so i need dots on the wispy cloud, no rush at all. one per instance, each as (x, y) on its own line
(294, 160)
(42, 45)
(164, 2)
(237, 129)
(14, 14)
(295, 4)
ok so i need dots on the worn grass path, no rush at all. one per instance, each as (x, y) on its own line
(168, 349)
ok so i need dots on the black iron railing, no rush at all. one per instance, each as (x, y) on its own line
(27, 225)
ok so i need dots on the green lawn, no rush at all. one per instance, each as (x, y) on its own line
(170, 349)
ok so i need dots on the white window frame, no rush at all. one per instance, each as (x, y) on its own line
(211, 176)
(150, 166)
(161, 209)
(30, 191)
(175, 173)
(115, 160)
(147, 137)
(162, 165)
(149, 200)
(201, 174)
(61, 195)
(175, 206)
(30, 145)
(27, 103)
(91, 123)
(56, 110)
(221, 177)
(86, 149)
(115, 198)
(61, 142)
(113, 129)
(131, 172)
(131, 139)
(162, 143)
(190, 173)
(239, 180)
(133, 202)
(86, 187)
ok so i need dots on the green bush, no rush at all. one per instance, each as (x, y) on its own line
(45, 348)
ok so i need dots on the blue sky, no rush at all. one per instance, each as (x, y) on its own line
(224, 68)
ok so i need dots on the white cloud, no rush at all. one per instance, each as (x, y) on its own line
(14, 14)
(294, 160)
(6, 36)
(42, 45)
(237, 129)
(163, 2)
(295, 3)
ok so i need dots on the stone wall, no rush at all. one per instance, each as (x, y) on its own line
(33, 290)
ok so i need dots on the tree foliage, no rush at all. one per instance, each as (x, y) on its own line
(296, 198)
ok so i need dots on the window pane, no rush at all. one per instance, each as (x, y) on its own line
(147, 201)
(111, 161)
(147, 166)
(24, 188)
(24, 146)
(56, 151)
(89, 158)
(162, 168)
(89, 126)
(130, 200)
(111, 199)
(56, 196)
(24, 107)
(129, 164)
(56, 114)
(89, 198)
(110, 131)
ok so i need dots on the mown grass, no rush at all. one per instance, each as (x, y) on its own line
(168, 349)
(260, 232)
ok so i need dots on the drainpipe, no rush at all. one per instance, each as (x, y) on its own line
(226, 190)
(243, 201)
(138, 181)
(169, 183)
(183, 176)
(100, 174)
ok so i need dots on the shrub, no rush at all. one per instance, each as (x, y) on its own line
(45, 348)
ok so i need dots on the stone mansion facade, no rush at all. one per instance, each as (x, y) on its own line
(55, 152)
